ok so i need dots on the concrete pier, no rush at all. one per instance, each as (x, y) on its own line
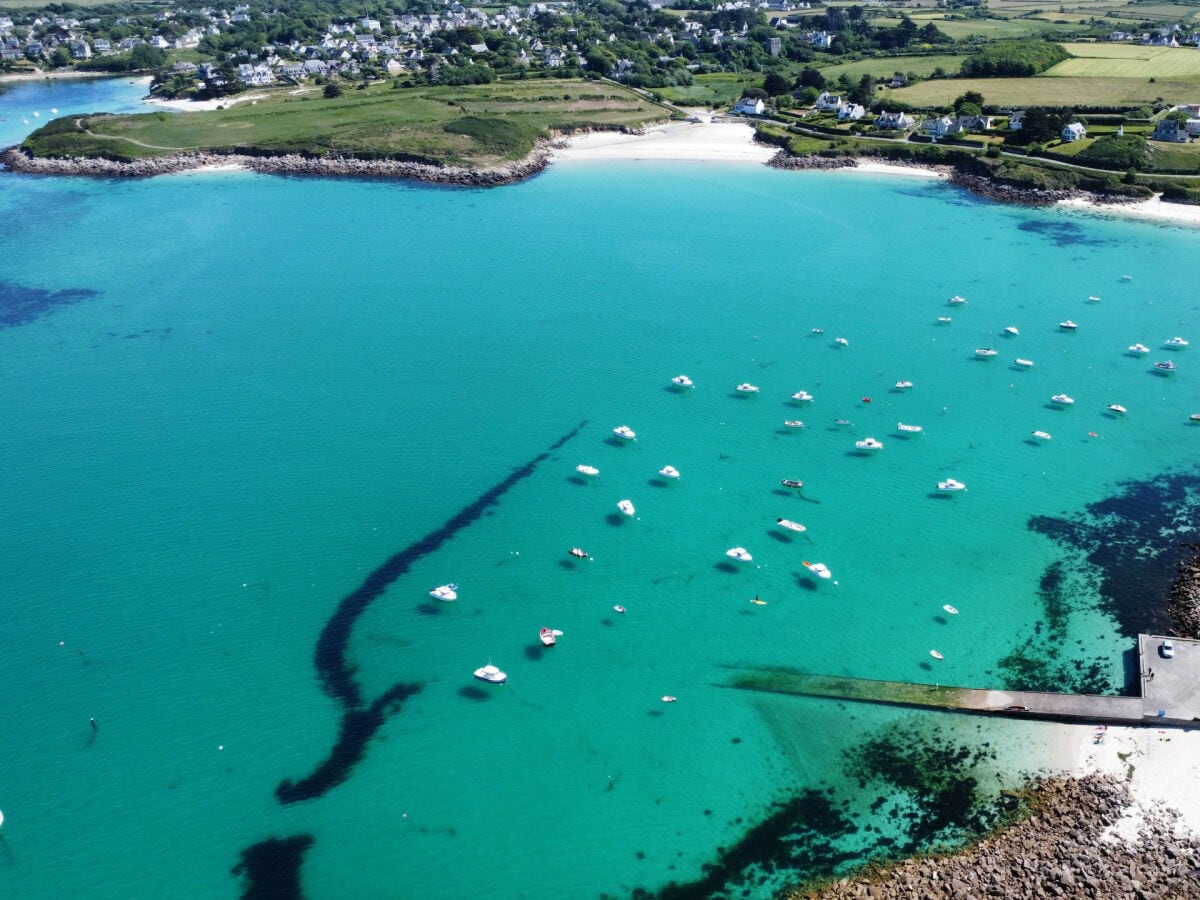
(1170, 692)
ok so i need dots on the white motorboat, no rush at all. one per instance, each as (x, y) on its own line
(951, 485)
(944, 320)
(819, 569)
(681, 381)
(818, 331)
(1127, 278)
(1194, 417)
(625, 433)
(985, 352)
(626, 506)
(1166, 367)
(578, 552)
(1092, 298)
(1117, 408)
(1042, 435)
(950, 609)
(619, 608)
(802, 396)
(667, 698)
(746, 388)
(793, 423)
(868, 443)
(957, 300)
(841, 342)
(936, 655)
(1023, 363)
(445, 592)
(548, 636)
(1175, 343)
(1062, 399)
(741, 554)
(842, 422)
(1068, 325)
(790, 525)
(903, 385)
(794, 483)
(490, 674)
(590, 471)
(1139, 349)
(1011, 329)
(911, 429)
(669, 472)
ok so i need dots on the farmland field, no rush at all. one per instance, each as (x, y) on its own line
(719, 89)
(885, 66)
(1043, 91)
(993, 29)
(1128, 61)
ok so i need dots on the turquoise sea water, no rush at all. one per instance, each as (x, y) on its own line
(229, 399)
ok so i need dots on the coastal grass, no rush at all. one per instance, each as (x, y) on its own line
(473, 126)
(990, 29)
(1047, 90)
(712, 90)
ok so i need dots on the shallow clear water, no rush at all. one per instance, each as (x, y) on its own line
(231, 398)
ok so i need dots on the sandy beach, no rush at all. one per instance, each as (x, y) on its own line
(202, 105)
(704, 139)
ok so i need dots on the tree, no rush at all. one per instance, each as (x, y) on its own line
(969, 97)
(968, 109)
(143, 56)
(810, 77)
(60, 59)
(332, 91)
(775, 84)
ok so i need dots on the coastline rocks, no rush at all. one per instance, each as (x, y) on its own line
(1007, 193)
(784, 160)
(291, 164)
(1183, 603)
(1067, 848)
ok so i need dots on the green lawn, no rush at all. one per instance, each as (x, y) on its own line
(1045, 91)
(477, 126)
(716, 90)
(1128, 61)
(991, 29)
(1174, 157)
(884, 67)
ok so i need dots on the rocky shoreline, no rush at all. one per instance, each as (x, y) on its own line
(1183, 603)
(1065, 849)
(290, 164)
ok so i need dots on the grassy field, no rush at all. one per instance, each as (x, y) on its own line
(719, 89)
(992, 29)
(885, 66)
(1044, 91)
(1128, 61)
(475, 126)
(1174, 157)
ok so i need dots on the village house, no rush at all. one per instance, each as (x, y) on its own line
(896, 121)
(1073, 132)
(827, 102)
(749, 106)
(1170, 131)
(852, 111)
(941, 127)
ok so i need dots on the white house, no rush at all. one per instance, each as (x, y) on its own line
(1073, 132)
(749, 106)
(854, 111)
(827, 102)
(1016, 119)
(896, 121)
(940, 127)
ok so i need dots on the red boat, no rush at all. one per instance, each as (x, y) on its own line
(547, 636)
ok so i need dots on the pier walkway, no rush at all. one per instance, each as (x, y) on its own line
(1170, 691)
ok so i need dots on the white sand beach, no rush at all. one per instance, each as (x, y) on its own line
(1159, 765)
(1154, 210)
(202, 105)
(705, 139)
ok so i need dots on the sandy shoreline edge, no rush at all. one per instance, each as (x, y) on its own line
(702, 139)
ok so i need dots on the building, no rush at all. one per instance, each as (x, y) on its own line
(1073, 132)
(749, 106)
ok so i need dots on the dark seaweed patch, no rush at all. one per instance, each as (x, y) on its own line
(1062, 233)
(271, 868)
(20, 305)
(337, 674)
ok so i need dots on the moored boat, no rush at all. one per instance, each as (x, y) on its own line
(490, 674)
(1093, 299)
(447, 592)
(669, 472)
(1023, 363)
(951, 484)
(1139, 349)
(625, 433)
(944, 320)
(1062, 399)
(802, 396)
(741, 554)
(578, 552)
(590, 471)
(841, 342)
(911, 429)
(746, 388)
(819, 569)
(985, 352)
(792, 423)
(619, 609)
(1117, 408)
(950, 609)
(681, 381)
(1194, 417)
(1068, 325)
(869, 443)
(790, 525)
(1166, 367)
(903, 385)
(1042, 435)
(936, 655)
(548, 636)
(956, 300)
(626, 506)
(794, 483)
(1175, 343)
(1012, 330)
